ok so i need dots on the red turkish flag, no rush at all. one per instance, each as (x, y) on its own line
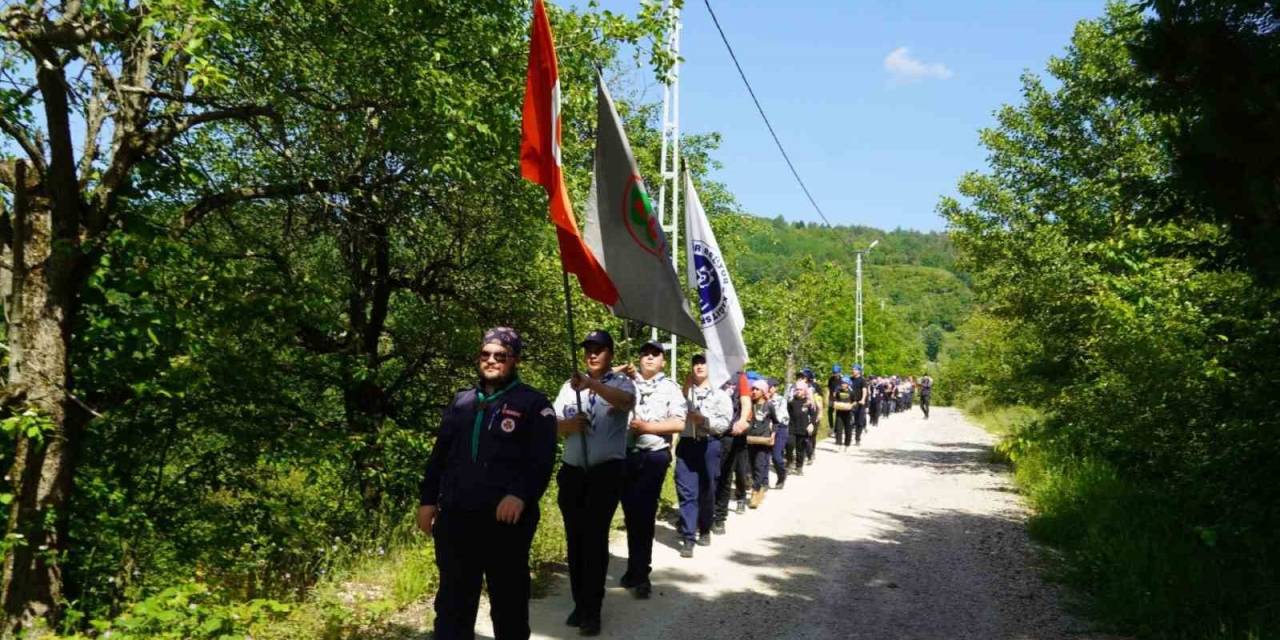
(540, 159)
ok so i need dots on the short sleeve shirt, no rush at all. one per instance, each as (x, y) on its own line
(657, 399)
(606, 439)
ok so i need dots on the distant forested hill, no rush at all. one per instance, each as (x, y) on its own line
(913, 295)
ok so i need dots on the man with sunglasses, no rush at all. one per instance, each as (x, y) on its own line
(594, 411)
(492, 461)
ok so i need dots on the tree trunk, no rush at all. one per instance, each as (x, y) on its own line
(41, 291)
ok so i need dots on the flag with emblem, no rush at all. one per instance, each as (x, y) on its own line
(540, 158)
(722, 320)
(624, 233)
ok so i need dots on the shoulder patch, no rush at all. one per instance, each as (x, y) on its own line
(548, 412)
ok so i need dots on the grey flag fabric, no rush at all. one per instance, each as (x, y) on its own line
(626, 237)
(722, 320)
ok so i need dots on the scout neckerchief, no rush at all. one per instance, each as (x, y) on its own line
(484, 400)
(644, 389)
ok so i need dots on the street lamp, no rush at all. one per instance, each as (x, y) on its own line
(858, 345)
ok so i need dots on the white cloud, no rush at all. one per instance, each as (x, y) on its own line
(905, 68)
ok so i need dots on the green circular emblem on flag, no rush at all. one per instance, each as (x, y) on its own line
(637, 212)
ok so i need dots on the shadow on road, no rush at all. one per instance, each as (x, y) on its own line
(947, 574)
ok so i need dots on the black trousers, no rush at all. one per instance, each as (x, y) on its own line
(924, 404)
(859, 423)
(734, 467)
(471, 545)
(641, 488)
(798, 449)
(843, 427)
(760, 456)
(588, 499)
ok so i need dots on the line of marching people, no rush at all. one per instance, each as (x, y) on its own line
(496, 451)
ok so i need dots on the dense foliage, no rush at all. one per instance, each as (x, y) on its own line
(1117, 302)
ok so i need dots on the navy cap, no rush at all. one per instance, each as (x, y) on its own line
(505, 336)
(652, 344)
(600, 337)
(698, 358)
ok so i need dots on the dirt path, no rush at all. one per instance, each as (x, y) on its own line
(914, 535)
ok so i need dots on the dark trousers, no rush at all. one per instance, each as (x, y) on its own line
(759, 454)
(798, 449)
(588, 500)
(780, 438)
(471, 545)
(697, 468)
(844, 427)
(873, 408)
(734, 467)
(924, 404)
(641, 488)
(811, 443)
(859, 423)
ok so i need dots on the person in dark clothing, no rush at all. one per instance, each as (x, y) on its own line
(873, 400)
(858, 387)
(594, 412)
(734, 466)
(833, 385)
(803, 413)
(842, 403)
(926, 391)
(760, 439)
(491, 463)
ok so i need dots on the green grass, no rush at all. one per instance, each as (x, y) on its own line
(1135, 563)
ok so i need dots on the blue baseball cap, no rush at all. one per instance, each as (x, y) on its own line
(600, 337)
(846, 379)
(858, 368)
(835, 368)
(753, 376)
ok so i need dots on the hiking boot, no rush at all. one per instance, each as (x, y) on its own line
(643, 591)
(742, 506)
(686, 548)
(704, 538)
(718, 528)
(574, 619)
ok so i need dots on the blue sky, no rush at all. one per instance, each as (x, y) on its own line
(878, 133)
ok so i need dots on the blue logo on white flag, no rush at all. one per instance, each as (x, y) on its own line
(711, 272)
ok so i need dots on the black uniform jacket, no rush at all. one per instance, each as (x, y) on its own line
(802, 415)
(515, 451)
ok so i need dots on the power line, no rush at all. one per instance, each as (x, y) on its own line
(759, 108)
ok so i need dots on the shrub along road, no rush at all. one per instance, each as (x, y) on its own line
(914, 535)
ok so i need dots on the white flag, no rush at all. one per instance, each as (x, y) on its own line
(722, 319)
(625, 235)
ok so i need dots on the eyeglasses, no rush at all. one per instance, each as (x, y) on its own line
(497, 356)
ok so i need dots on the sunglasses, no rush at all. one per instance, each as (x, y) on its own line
(497, 356)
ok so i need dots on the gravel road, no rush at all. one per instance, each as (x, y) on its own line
(913, 535)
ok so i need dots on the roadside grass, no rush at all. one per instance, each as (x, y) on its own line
(364, 598)
(1132, 556)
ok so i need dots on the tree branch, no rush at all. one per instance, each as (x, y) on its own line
(215, 201)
